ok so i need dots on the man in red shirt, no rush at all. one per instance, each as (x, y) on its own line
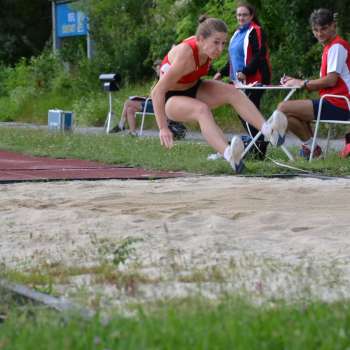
(334, 79)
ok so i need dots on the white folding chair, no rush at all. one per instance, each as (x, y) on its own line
(143, 114)
(331, 122)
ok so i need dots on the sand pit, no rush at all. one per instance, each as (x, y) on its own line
(270, 238)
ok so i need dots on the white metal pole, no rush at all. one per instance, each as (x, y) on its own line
(110, 113)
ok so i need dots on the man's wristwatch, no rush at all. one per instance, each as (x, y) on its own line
(305, 84)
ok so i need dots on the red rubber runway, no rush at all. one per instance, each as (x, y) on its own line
(15, 167)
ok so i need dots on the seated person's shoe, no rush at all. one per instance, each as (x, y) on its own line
(258, 150)
(117, 129)
(236, 150)
(305, 152)
(347, 138)
(178, 129)
(133, 133)
(279, 123)
(345, 152)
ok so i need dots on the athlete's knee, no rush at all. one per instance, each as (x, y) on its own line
(235, 96)
(202, 112)
(230, 92)
(283, 107)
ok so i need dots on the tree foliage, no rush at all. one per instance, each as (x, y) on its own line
(129, 34)
(25, 27)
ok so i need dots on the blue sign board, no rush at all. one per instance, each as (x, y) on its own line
(70, 22)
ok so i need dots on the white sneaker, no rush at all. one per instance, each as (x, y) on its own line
(215, 156)
(279, 123)
(236, 150)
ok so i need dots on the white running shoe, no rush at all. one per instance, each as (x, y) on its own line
(236, 150)
(279, 123)
(215, 156)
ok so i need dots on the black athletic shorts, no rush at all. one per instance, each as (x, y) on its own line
(191, 92)
(330, 111)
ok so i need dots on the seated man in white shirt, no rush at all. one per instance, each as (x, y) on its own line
(334, 79)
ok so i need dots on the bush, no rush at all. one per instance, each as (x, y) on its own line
(44, 69)
(8, 109)
(18, 76)
(90, 110)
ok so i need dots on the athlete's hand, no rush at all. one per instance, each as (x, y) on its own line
(241, 76)
(166, 137)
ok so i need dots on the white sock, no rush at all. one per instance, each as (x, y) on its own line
(266, 129)
(227, 153)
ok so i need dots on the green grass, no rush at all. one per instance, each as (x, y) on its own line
(147, 152)
(186, 324)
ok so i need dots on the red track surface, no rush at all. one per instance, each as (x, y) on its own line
(15, 167)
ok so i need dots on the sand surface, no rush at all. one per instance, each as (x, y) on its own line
(270, 238)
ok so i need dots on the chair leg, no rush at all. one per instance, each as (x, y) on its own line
(328, 139)
(144, 114)
(142, 122)
(314, 141)
(316, 129)
(347, 122)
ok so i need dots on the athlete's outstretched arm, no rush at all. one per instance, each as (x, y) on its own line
(182, 63)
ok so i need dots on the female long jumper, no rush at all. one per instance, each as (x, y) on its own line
(181, 95)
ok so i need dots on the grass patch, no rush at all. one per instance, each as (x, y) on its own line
(45, 276)
(146, 152)
(187, 324)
